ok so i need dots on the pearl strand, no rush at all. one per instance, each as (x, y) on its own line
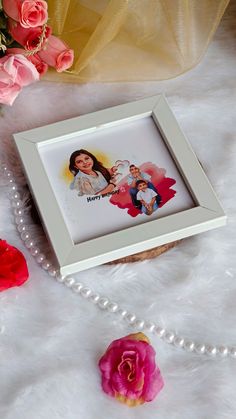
(104, 303)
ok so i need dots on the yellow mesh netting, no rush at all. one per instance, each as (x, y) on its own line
(128, 40)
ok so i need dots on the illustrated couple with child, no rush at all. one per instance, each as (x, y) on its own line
(142, 191)
(92, 178)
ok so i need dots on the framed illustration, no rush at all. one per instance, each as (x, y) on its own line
(116, 182)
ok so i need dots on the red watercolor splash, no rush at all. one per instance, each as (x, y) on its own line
(163, 185)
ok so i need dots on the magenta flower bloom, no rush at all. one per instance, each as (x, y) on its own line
(129, 371)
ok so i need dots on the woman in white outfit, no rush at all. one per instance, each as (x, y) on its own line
(90, 176)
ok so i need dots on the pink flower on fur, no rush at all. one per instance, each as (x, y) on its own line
(29, 38)
(14, 270)
(30, 13)
(129, 372)
(57, 54)
(15, 72)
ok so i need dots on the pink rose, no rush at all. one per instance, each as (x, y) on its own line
(15, 72)
(129, 372)
(57, 54)
(40, 66)
(28, 37)
(30, 13)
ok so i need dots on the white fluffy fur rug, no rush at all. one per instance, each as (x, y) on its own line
(51, 340)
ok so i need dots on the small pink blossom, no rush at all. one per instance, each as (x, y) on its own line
(30, 13)
(129, 371)
(15, 72)
(57, 54)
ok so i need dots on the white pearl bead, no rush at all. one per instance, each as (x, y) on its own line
(103, 302)
(233, 352)
(8, 174)
(150, 326)
(169, 337)
(14, 187)
(112, 307)
(29, 243)
(34, 250)
(223, 351)
(200, 349)
(25, 235)
(17, 204)
(21, 228)
(52, 271)
(211, 350)
(77, 287)
(179, 341)
(46, 265)
(160, 331)
(4, 167)
(86, 292)
(140, 324)
(69, 281)
(60, 278)
(122, 312)
(94, 298)
(14, 195)
(19, 220)
(18, 211)
(40, 258)
(189, 346)
(130, 318)
(11, 180)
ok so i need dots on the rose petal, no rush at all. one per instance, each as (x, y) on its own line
(9, 94)
(152, 385)
(107, 388)
(30, 13)
(13, 271)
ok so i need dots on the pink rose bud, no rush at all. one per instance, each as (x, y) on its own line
(15, 72)
(57, 54)
(30, 13)
(129, 371)
(40, 66)
(28, 37)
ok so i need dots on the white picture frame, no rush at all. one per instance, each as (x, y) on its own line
(71, 257)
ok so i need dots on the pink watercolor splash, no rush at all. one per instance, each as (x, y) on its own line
(163, 185)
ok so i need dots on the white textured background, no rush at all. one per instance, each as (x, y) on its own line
(51, 339)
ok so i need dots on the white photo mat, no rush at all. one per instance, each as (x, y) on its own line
(85, 232)
(86, 218)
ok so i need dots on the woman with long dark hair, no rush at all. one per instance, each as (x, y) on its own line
(91, 177)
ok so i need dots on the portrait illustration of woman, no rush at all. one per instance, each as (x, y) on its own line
(90, 176)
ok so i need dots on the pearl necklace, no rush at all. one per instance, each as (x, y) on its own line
(20, 208)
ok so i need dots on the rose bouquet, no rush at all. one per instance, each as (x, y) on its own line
(27, 46)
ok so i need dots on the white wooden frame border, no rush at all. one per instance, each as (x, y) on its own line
(71, 257)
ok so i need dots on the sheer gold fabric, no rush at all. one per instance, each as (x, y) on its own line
(128, 40)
